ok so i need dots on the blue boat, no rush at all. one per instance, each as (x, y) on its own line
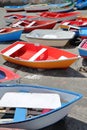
(34, 107)
(80, 4)
(10, 34)
(83, 32)
(14, 8)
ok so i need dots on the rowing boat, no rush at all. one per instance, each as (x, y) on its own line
(82, 48)
(14, 17)
(50, 37)
(10, 34)
(8, 76)
(40, 106)
(37, 8)
(60, 16)
(29, 25)
(38, 56)
(15, 8)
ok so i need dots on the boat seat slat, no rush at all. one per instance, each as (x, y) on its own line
(32, 23)
(20, 114)
(34, 57)
(13, 49)
(62, 58)
(17, 24)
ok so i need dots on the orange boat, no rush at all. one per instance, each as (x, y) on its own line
(38, 56)
(34, 24)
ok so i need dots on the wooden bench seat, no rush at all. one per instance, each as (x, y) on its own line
(13, 49)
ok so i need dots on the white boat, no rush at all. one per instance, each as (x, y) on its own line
(37, 8)
(31, 109)
(50, 37)
(61, 8)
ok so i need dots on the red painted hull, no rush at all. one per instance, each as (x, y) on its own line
(7, 75)
(38, 24)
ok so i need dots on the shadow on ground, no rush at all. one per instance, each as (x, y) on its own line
(68, 123)
(69, 72)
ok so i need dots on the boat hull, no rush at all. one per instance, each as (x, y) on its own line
(58, 16)
(38, 24)
(60, 37)
(54, 43)
(14, 17)
(8, 76)
(62, 9)
(14, 8)
(46, 119)
(49, 25)
(38, 56)
(83, 33)
(11, 36)
(37, 8)
(82, 48)
(64, 64)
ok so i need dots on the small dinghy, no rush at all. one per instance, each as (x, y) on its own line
(10, 34)
(78, 22)
(15, 17)
(83, 32)
(34, 111)
(34, 24)
(82, 48)
(38, 56)
(81, 4)
(8, 76)
(15, 8)
(62, 7)
(74, 25)
(50, 37)
(37, 8)
(59, 16)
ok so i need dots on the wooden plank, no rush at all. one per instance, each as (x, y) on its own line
(33, 22)
(13, 49)
(34, 57)
(20, 114)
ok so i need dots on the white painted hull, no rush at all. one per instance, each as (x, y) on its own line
(60, 39)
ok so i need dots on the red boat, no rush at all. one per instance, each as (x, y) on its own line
(60, 16)
(34, 24)
(38, 56)
(13, 17)
(7, 75)
(79, 22)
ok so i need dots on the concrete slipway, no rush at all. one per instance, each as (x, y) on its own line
(73, 78)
